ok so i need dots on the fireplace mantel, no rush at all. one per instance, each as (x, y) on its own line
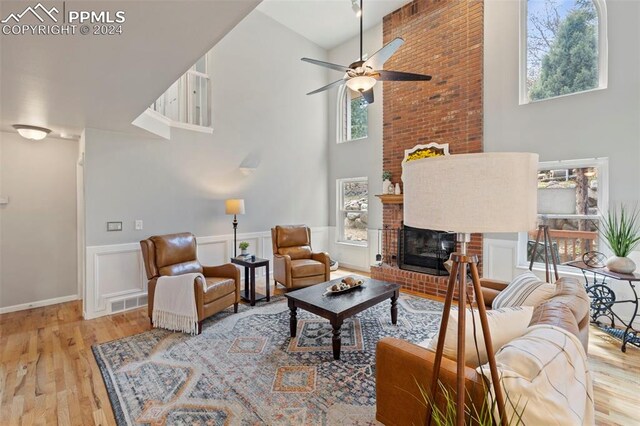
(391, 198)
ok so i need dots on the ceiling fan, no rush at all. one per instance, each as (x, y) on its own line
(362, 75)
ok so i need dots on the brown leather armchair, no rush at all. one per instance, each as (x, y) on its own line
(295, 265)
(175, 254)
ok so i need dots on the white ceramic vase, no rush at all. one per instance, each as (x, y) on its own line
(397, 189)
(621, 265)
(385, 186)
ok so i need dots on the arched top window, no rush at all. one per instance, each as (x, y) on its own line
(563, 48)
(352, 119)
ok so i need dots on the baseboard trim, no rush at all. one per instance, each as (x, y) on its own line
(352, 267)
(39, 304)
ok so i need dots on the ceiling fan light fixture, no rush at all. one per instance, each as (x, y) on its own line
(361, 83)
(31, 132)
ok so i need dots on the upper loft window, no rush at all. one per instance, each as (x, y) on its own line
(187, 101)
(564, 48)
(353, 115)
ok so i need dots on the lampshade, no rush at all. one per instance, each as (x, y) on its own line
(468, 193)
(361, 83)
(234, 206)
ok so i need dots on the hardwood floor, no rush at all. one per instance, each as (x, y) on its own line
(48, 374)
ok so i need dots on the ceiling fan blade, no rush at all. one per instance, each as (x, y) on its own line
(336, 67)
(377, 60)
(368, 96)
(401, 76)
(327, 87)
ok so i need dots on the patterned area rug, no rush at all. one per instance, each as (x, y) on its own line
(244, 369)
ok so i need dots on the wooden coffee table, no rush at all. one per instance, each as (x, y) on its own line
(338, 307)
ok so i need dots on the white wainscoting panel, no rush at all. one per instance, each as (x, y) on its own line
(213, 251)
(499, 258)
(116, 272)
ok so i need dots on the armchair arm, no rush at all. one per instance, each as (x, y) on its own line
(228, 270)
(403, 371)
(323, 257)
(493, 284)
(282, 269)
(491, 289)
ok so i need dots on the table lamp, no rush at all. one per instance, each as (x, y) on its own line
(470, 193)
(235, 207)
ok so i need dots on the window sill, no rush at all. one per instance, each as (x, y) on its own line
(352, 140)
(528, 101)
(562, 270)
(353, 244)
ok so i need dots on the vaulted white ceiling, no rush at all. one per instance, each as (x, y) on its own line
(67, 83)
(328, 23)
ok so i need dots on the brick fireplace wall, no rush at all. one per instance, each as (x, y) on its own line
(443, 38)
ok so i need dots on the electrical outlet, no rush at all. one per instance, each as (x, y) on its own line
(138, 225)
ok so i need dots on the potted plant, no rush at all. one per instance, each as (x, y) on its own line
(386, 181)
(486, 415)
(243, 247)
(621, 230)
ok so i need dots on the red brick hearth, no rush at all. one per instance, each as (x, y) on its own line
(443, 38)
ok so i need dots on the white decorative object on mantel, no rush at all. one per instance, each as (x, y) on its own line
(385, 186)
(440, 149)
(397, 189)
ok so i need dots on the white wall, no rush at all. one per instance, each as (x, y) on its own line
(357, 158)
(260, 110)
(38, 226)
(602, 123)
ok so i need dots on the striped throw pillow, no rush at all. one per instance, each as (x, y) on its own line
(524, 290)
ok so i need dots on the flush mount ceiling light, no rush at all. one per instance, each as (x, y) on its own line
(31, 132)
(362, 75)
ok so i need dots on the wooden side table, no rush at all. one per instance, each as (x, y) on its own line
(250, 264)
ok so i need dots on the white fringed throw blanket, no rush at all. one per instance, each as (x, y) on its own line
(546, 369)
(174, 303)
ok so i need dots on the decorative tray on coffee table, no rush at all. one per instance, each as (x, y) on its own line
(345, 285)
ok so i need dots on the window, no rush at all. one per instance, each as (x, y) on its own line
(564, 48)
(352, 203)
(353, 115)
(187, 100)
(571, 198)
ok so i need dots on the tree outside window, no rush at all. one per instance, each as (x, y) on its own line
(562, 52)
(359, 123)
(353, 115)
